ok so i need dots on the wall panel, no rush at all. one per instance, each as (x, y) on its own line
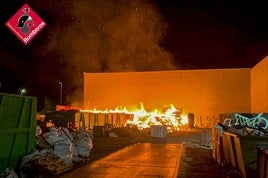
(259, 87)
(202, 92)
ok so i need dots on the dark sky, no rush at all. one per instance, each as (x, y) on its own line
(216, 34)
(127, 35)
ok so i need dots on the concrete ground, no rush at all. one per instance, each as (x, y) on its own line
(196, 160)
(135, 161)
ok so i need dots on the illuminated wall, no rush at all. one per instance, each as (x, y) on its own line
(202, 92)
(259, 87)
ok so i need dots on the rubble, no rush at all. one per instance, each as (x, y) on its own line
(52, 163)
(236, 139)
(245, 124)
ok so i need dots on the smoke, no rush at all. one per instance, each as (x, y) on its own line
(107, 36)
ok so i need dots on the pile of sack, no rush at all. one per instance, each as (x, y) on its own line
(57, 150)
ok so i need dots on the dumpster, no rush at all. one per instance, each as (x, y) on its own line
(17, 128)
(61, 118)
(240, 151)
(262, 161)
(98, 131)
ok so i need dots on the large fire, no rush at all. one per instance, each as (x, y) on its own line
(170, 117)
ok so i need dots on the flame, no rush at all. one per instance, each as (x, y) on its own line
(173, 118)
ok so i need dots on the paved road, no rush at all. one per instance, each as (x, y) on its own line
(138, 160)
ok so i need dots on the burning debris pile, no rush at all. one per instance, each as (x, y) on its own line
(171, 117)
(246, 124)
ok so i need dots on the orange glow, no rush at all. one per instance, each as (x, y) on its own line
(170, 117)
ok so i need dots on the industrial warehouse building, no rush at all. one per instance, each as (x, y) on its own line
(206, 93)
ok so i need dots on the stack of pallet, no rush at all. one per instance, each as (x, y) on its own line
(53, 164)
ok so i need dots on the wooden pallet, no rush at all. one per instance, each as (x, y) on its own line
(52, 163)
(233, 152)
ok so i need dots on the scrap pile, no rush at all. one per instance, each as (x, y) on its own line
(58, 150)
(235, 141)
(245, 124)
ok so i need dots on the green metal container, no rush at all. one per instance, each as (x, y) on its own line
(249, 151)
(17, 128)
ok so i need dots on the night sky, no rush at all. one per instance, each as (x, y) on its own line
(127, 35)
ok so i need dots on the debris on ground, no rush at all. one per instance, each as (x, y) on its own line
(8, 173)
(57, 151)
(246, 124)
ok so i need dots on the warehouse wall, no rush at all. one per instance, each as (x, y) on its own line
(206, 93)
(259, 87)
